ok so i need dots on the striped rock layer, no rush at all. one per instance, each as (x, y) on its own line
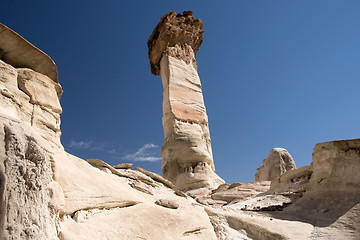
(187, 158)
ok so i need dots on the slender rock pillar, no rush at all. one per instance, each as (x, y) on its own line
(186, 153)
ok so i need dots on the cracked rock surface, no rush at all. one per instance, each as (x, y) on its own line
(47, 193)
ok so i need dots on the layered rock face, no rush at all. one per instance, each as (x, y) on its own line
(187, 158)
(46, 193)
(29, 129)
(336, 165)
(277, 163)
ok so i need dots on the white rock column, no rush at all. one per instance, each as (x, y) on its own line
(187, 158)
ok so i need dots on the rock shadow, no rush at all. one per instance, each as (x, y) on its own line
(323, 208)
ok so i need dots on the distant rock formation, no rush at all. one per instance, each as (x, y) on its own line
(277, 163)
(187, 158)
(327, 192)
(29, 133)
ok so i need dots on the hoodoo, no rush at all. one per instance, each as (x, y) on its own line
(49, 194)
(186, 153)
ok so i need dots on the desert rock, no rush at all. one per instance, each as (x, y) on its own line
(174, 29)
(167, 203)
(47, 193)
(156, 177)
(278, 162)
(187, 159)
(123, 166)
(18, 52)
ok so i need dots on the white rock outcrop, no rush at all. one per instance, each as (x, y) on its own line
(277, 163)
(46, 193)
(30, 130)
(187, 158)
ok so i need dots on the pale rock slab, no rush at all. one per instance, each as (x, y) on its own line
(167, 203)
(42, 90)
(246, 225)
(278, 162)
(150, 221)
(123, 166)
(18, 52)
(239, 191)
(156, 177)
(14, 104)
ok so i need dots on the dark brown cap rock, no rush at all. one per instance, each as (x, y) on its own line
(172, 29)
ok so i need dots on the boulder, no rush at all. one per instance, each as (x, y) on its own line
(42, 90)
(278, 162)
(167, 203)
(18, 52)
(123, 166)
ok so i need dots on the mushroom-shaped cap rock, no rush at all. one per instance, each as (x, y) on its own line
(182, 29)
(18, 52)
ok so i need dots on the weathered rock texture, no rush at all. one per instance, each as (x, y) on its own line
(320, 201)
(46, 193)
(325, 194)
(277, 163)
(182, 29)
(187, 158)
(29, 129)
(19, 53)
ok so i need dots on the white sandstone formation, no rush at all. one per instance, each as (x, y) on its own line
(187, 158)
(47, 193)
(22, 54)
(29, 132)
(326, 193)
(277, 163)
(319, 201)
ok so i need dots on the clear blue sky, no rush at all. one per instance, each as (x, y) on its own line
(274, 74)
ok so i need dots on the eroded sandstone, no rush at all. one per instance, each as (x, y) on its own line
(277, 163)
(18, 52)
(182, 30)
(47, 193)
(187, 159)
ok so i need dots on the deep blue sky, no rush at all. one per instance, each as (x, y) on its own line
(274, 74)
